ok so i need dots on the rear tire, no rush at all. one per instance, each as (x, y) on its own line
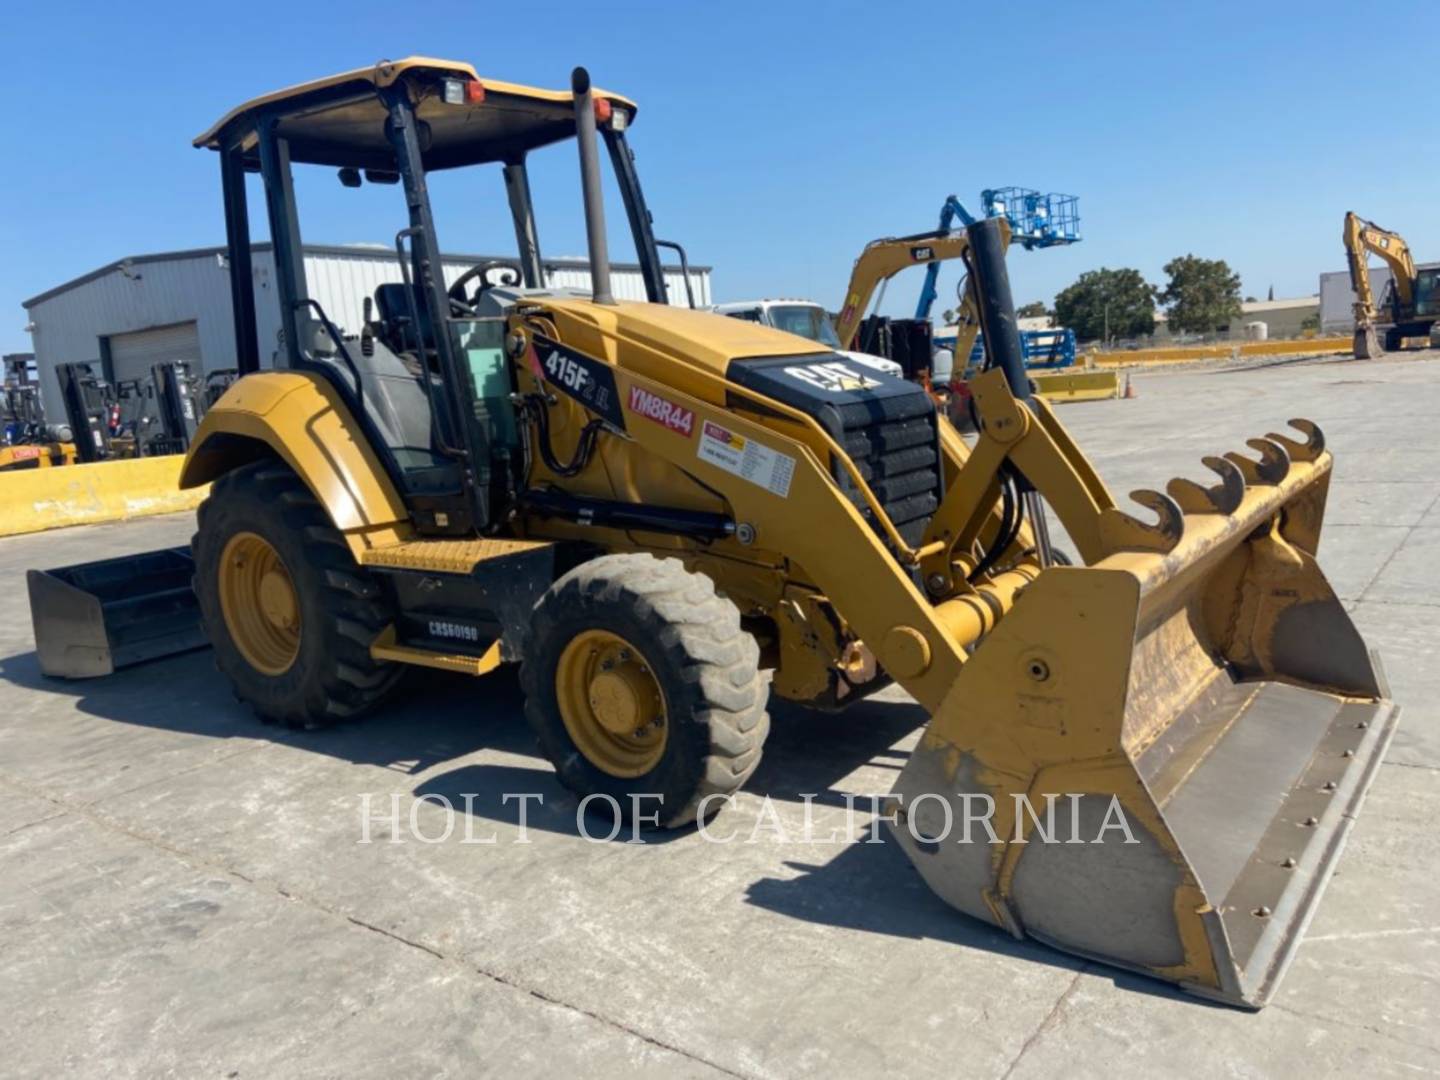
(319, 670)
(667, 632)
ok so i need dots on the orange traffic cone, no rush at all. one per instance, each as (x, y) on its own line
(1129, 390)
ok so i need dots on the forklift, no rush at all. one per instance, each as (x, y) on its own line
(177, 396)
(28, 441)
(140, 417)
(91, 409)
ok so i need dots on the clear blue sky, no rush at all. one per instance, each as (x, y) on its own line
(772, 140)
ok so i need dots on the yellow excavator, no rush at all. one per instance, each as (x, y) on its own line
(648, 506)
(882, 259)
(1411, 302)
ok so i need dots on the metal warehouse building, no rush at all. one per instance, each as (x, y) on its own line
(175, 305)
(1337, 299)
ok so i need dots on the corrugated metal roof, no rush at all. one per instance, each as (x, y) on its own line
(348, 251)
(1251, 307)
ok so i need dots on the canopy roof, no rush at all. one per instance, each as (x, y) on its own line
(341, 120)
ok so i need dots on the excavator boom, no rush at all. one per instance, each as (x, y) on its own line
(883, 259)
(1362, 239)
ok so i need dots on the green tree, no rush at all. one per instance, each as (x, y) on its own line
(1202, 295)
(1034, 310)
(1113, 303)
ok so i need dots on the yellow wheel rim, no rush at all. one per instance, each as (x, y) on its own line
(258, 601)
(611, 704)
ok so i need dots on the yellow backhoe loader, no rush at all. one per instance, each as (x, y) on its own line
(646, 506)
(883, 259)
(1411, 303)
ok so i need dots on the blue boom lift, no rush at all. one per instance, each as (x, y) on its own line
(1036, 221)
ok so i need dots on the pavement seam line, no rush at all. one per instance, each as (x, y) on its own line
(266, 885)
(31, 824)
(1412, 765)
(173, 775)
(1398, 603)
(1370, 1028)
(1409, 532)
(1049, 1022)
(502, 980)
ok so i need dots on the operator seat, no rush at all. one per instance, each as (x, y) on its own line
(392, 303)
(393, 394)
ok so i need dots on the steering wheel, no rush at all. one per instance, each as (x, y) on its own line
(462, 301)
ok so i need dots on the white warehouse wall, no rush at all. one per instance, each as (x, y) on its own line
(68, 322)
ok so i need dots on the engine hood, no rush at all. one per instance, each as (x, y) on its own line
(700, 338)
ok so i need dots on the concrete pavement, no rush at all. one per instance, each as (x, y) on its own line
(184, 891)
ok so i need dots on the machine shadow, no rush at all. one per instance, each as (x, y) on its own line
(808, 753)
(872, 888)
(494, 793)
(433, 716)
(437, 717)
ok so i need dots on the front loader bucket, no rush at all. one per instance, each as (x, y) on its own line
(95, 617)
(1174, 744)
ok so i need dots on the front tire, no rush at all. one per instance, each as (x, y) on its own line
(289, 613)
(639, 681)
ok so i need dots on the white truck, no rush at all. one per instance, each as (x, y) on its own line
(806, 319)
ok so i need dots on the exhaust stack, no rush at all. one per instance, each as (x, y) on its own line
(590, 187)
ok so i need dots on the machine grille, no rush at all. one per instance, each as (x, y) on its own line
(886, 425)
(899, 457)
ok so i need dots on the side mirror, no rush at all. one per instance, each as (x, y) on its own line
(349, 177)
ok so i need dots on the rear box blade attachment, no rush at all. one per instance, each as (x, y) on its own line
(95, 617)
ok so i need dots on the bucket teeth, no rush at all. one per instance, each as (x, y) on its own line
(1273, 466)
(1132, 534)
(1308, 450)
(1222, 498)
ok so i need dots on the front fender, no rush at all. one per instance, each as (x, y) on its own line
(298, 417)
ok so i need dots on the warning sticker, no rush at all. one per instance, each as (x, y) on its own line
(746, 458)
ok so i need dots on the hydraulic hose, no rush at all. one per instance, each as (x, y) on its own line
(584, 446)
(1012, 518)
